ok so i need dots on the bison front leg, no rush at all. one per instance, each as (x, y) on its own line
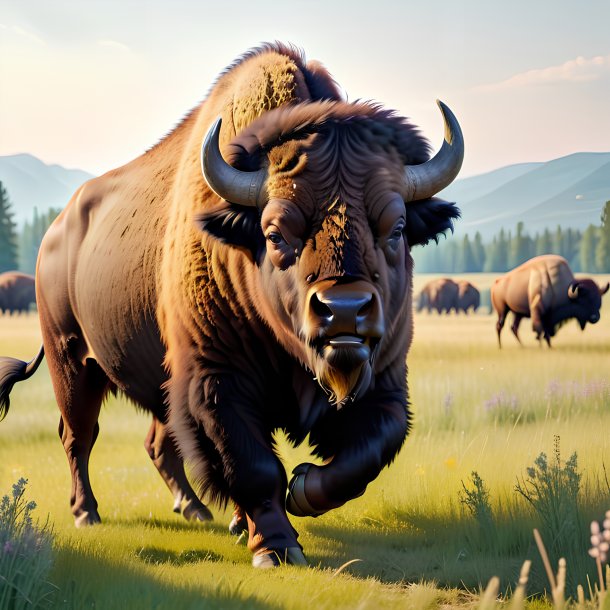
(359, 440)
(243, 466)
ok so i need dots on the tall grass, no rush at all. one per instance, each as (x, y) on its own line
(26, 554)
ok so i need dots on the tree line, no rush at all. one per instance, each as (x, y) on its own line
(19, 249)
(586, 251)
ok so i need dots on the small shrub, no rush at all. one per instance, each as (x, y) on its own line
(552, 490)
(476, 501)
(25, 554)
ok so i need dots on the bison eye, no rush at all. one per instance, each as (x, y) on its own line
(397, 231)
(275, 238)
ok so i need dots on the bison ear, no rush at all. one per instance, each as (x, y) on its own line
(235, 225)
(429, 219)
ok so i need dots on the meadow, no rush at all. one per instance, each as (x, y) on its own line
(426, 534)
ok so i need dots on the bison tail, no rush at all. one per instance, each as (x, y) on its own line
(12, 371)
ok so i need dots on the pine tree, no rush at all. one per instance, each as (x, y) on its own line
(519, 248)
(544, 243)
(467, 262)
(490, 255)
(479, 252)
(31, 236)
(8, 235)
(558, 241)
(497, 253)
(602, 250)
(503, 249)
(588, 244)
(571, 243)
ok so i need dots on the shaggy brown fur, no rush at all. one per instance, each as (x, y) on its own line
(226, 327)
(544, 288)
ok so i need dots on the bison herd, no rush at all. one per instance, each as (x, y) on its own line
(253, 272)
(444, 295)
(543, 289)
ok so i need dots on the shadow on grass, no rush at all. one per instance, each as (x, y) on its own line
(156, 555)
(87, 582)
(428, 548)
(179, 524)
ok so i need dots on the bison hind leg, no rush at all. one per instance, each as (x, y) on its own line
(500, 324)
(80, 390)
(515, 326)
(162, 451)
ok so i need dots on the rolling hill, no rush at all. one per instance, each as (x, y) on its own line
(30, 184)
(570, 191)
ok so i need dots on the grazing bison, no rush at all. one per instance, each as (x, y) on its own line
(545, 289)
(440, 294)
(17, 292)
(276, 293)
(468, 296)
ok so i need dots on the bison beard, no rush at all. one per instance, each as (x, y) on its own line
(343, 373)
(213, 301)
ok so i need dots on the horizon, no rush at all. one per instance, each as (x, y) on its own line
(93, 86)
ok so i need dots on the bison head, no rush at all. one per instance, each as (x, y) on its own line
(327, 198)
(586, 298)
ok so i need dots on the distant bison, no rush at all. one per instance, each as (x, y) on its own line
(440, 294)
(544, 288)
(16, 292)
(468, 296)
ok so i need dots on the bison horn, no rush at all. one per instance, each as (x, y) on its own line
(427, 179)
(243, 188)
(603, 291)
(573, 290)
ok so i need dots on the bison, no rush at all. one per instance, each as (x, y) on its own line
(468, 297)
(545, 289)
(440, 294)
(272, 292)
(17, 292)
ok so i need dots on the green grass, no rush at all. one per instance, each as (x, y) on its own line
(476, 408)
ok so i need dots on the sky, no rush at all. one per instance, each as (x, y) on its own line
(92, 84)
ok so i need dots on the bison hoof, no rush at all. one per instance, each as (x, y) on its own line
(273, 559)
(196, 511)
(86, 518)
(238, 525)
(296, 500)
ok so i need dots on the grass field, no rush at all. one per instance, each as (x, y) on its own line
(418, 546)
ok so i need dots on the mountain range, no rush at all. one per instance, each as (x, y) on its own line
(30, 184)
(569, 191)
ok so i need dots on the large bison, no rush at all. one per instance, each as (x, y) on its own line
(545, 289)
(468, 297)
(440, 294)
(276, 293)
(17, 292)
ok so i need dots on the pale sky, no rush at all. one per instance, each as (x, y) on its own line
(91, 84)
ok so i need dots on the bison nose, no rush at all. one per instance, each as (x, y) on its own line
(594, 318)
(346, 309)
